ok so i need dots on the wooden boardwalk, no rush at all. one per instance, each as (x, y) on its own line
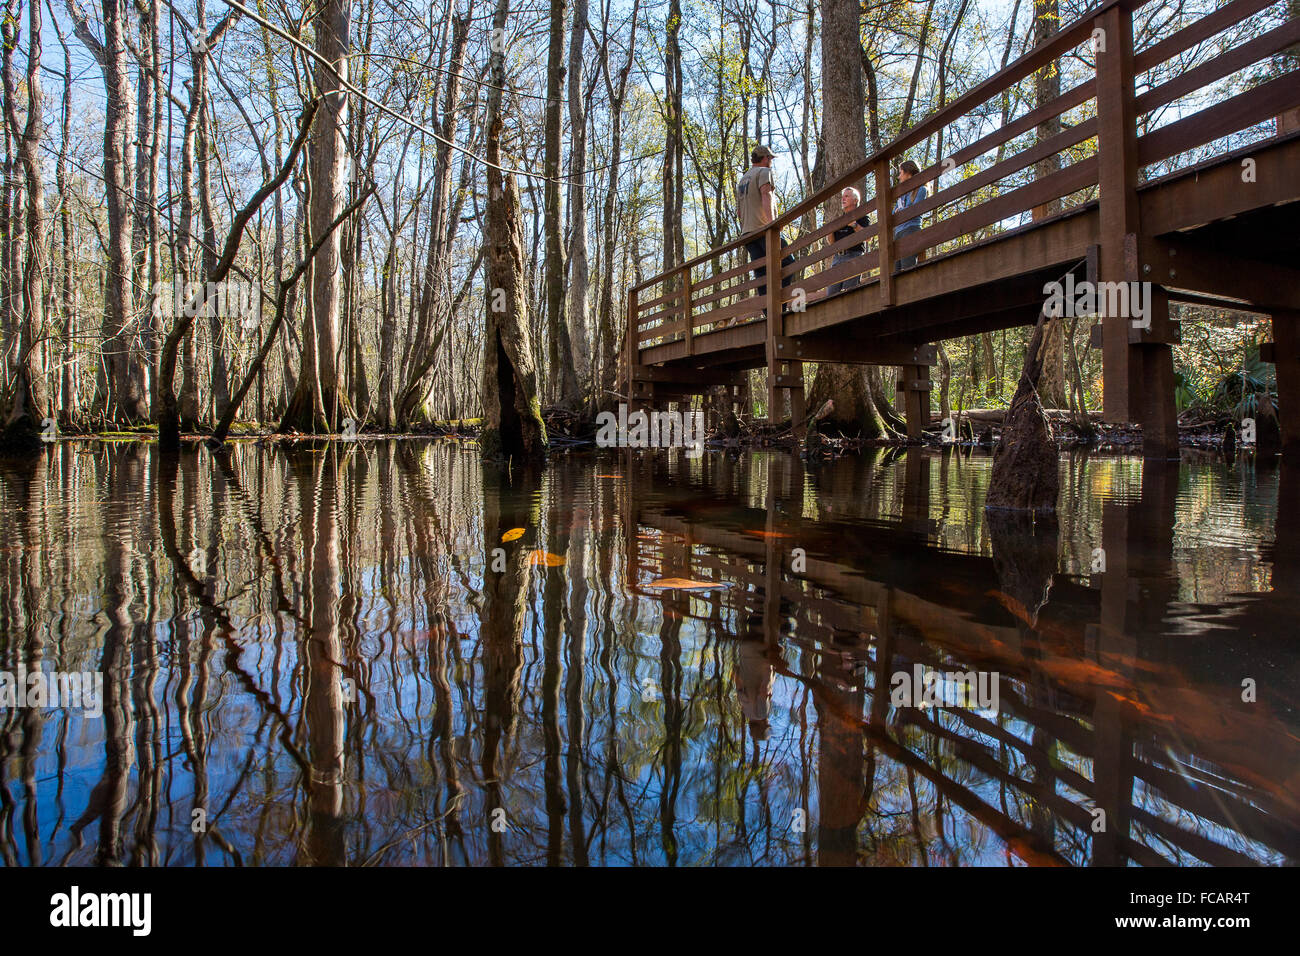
(1120, 194)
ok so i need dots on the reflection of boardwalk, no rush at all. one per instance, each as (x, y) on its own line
(1121, 192)
(1098, 708)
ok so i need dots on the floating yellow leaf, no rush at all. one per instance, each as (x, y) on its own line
(680, 584)
(512, 534)
(546, 559)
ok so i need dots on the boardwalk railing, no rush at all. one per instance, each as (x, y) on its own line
(1141, 114)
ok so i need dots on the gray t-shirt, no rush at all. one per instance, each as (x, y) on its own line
(749, 199)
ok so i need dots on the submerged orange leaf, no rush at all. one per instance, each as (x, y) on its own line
(680, 584)
(768, 534)
(512, 534)
(546, 559)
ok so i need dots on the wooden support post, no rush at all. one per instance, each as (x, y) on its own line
(1286, 353)
(916, 399)
(1117, 186)
(885, 223)
(1159, 412)
(631, 349)
(773, 326)
(798, 401)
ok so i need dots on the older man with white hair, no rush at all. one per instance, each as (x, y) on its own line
(850, 199)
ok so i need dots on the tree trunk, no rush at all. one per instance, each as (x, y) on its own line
(28, 399)
(674, 245)
(578, 276)
(512, 419)
(609, 338)
(125, 369)
(1025, 475)
(319, 404)
(219, 382)
(68, 398)
(564, 384)
(845, 147)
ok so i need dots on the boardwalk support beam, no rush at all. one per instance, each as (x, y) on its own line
(1285, 352)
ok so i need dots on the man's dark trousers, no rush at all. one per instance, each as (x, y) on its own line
(757, 249)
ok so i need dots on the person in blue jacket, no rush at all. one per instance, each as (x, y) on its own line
(906, 170)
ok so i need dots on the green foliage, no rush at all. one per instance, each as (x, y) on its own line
(1244, 391)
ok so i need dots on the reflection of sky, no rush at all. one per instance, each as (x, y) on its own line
(723, 798)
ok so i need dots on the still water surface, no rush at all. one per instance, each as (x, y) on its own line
(382, 653)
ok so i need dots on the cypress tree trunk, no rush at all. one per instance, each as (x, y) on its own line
(512, 418)
(29, 403)
(1025, 475)
(319, 403)
(844, 123)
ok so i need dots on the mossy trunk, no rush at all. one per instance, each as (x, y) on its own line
(1025, 474)
(512, 416)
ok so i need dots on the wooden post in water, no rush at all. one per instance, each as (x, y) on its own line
(1158, 408)
(1285, 353)
(1116, 182)
(631, 350)
(916, 398)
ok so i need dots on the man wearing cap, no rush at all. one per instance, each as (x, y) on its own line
(754, 210)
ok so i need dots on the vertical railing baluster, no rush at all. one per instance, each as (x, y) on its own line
(773, 318)
(885, 224)
(686, 310)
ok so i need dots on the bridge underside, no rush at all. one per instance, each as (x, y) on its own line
(1210, 234)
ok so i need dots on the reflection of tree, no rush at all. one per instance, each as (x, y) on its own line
(219, 625)
(317, 481)
(507, 503)
(575, 626)
(108, 797)
(20, 615)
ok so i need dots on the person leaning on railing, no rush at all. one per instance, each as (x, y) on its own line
(754, 210)
(849, 201)
(906, 170)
